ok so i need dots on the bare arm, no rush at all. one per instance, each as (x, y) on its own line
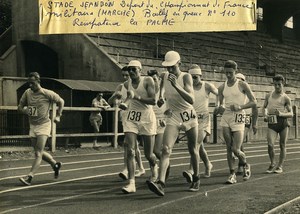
(264, 108)
(212, 89)
(150, 88)
(252, 100)
(220, 108)
(116, 95)
(60, 106)
(187, 91)
(288, 107)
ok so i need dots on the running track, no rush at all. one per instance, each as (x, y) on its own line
(89, 184)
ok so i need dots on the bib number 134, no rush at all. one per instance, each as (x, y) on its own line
(186, 116)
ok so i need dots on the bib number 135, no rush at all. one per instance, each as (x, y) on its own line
(240, 118)
(186, 116)
(134, 115)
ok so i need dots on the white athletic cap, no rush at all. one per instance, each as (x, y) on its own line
(240, 76)
(135, 63)
(195, 70)
(171, 58)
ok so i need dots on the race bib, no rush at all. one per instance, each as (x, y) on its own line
(32, 111)
(161, 123)
(240, 118)
(134, 116)
(272, 119)
(187, 115)
(247, 120)
(200, 116)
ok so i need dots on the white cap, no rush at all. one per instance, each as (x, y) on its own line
(171, 58)
(240, 76)
(195, 70)
(135, 63)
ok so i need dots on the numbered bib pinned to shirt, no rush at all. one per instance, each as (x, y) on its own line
(187, 115)
(239, 118)
(32, 111)
(272, 119)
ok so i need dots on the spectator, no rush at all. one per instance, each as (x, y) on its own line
(96, 117)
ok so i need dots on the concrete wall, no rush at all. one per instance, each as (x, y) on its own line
(8, 65)
(78, 56)
(8, 89)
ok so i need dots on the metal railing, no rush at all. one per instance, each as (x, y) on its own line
(7, 135)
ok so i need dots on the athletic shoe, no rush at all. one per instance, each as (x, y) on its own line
(140, 173)
(231, 179)
(208, 171)
(168, 171)
(278, 170)
(270, 169)
(240, 170)
(26, 180)
(130, 188)
(156, 187)
(188, 176)
(56, 169)
(124, 175)
(195, 186)
(247, 172)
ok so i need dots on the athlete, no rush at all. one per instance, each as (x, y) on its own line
(118, 97)
(202, 89)
(250, 120)
(276, 110)
(232, 97)
(179, 94)
(36, 102)
(139, 120)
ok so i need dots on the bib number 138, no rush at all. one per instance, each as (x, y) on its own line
(186, 116)
(134, 115)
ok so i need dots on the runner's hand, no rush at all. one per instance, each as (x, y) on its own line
(173, 79)
(160, 102)
(57, 119)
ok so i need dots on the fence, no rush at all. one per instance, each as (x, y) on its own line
(14, 125)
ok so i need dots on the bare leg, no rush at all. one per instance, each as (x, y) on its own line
(38, 145)
(138, 156)
(282, 143)
(169, 138)
(271, 136)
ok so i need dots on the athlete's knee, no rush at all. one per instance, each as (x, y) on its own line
(166, 150)
(38, 154)
(130, 153)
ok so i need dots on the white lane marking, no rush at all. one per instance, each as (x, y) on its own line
(118, 164)
(208, 191)
(57, 200)
(121, 158)
(150, 208)
(282, 206)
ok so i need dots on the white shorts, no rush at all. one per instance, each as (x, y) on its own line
(204, 123)
(140, 122)
(184, 120)
(234, 120)
(38, 130)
